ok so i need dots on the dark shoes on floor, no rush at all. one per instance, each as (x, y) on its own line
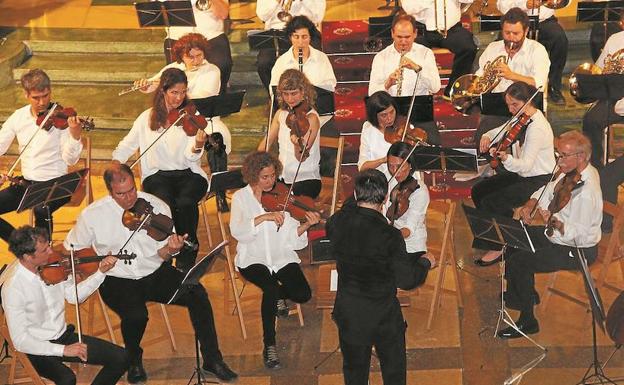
(482, 263)
(555, 96)
(528, 327)
(269, 355)
(222, 204)
(136, 374)
(220, 370)
(282, 308)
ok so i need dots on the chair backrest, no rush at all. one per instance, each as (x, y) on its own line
(85, 189)
(338, 144)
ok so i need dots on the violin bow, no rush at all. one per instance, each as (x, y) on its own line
(516, 115)
(182, 115)
(411, 107)
(393, 176)
(77, 305)
(539, 198)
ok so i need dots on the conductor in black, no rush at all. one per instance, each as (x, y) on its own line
(371, 261)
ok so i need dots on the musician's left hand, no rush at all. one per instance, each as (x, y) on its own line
(75, 128)
(502, 155)
(107, 263)
(200, 139)
(312, 218)
(557, 224)
(532, 4)
(175, 242)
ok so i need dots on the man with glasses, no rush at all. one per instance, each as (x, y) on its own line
(571, 229)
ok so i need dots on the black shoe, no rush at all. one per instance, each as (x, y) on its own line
(482, 263)
(555, 96)
(136, 374)
(221, 371)
(531, 327)
(222, 205)
(269, 355)
(282, 308)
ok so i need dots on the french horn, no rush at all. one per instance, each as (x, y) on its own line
(467, 89)
(613, 64)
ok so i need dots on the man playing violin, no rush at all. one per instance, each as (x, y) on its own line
(527, 168)
(45, 158)
(35, 314)
(295, 126)
(574, 228)
(267, 240)
(128, 287)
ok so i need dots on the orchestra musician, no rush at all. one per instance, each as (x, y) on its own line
(128, 287)
(267, 240)
(47, 155)
(35, 314)
(604, 112)
(210, 24)
(611, 176)
(447, 33)
(527, 61)
(575, 229)
(296, 98)
(372, 262)
(526, 169)
(551, 35)
(275, 16)
(171, 168)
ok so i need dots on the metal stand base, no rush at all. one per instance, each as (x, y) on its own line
(597, 375)
(197, 372)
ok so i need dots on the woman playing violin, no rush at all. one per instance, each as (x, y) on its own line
(527, 168)
(576, 229)
(265, 254)
(171, 168)
(295, 126)
(45, 158)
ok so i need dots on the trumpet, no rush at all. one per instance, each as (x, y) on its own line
(467, 89)
(284, 15)
(203, 5)
(443, 31)
(613, 64)
(553, 4)
(137, 87)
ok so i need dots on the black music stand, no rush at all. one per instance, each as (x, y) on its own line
(220, 105)
(493, 103)
(324, 101)
(600, 11)
(393, 8)
(445, 159)
(225, 180)
(491, 23)
(191, 279)
(43, 193)
(271, 38)
(379, 33)
(506, 232)
(422, 110)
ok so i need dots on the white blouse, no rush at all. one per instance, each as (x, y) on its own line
(414, 218)
(373, 146)
(310, 168)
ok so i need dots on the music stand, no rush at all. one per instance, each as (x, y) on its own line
(491, 23)
(324, 101)
(422, 110)
(226, 180)
(42, 193)
(191, 279)
(219, 105)
(493, 103)
(506, 232)
(270, 39)
(379, 33)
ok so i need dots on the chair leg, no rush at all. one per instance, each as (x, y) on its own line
(107, 321)
(163, 310)
(206, 223)
(299, 314)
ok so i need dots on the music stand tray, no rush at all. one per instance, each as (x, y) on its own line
(445, 159)
(218, 105)
(42, 193)
(271, 38)
(493, 103)
(173, 13)
(602, 11)
(422, 110)
(324, 100)
(601, 87)
(498, 229)
(226, 180)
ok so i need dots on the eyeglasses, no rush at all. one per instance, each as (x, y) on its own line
(559, 156)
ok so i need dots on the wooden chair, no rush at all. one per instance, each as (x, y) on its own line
(338, 144)
(446, 259)
(607, 255)
(18, 358)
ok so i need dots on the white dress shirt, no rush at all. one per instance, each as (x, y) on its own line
(582, 216)
(174, 151)
(531, 60)
(387, 61)
(424, 12)
(202, 83)
(263, 244)
(99, 226)
(310, 168)
(543, 12)
(49, 153)
(613, 44)
(267, 11)
(414, 218)
(206, 23)
(373, 146)
(536, 155)
(35, 312)
(317, 68)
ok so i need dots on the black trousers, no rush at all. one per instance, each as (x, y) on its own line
(594, 122)
(521, 266)
(554, 39)
(287, 283)
(112, 358)
(128, 297)
(501, 194)
(10, 199)
(460, 42)
(611, 176)
(310, 188)
(181, 190)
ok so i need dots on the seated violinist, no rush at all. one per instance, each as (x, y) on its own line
(572, 228)
(45, 158)
(128, 287)
(35, 314)
(519, 174)
(171, 168)
(267, 240)
(295, 126)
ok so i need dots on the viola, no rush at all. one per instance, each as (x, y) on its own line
(562, 194)
(141, 216)
(413, 136)
(297, 121)
(510, 137)
(279, 199)
(86, 262)
(399, 198)
(59, 117)
(191, 121)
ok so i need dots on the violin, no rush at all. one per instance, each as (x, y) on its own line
(561, 196)
(510, 137)
(413, 136)
(141, 216)
(276, 200)
(86, 262)
(59, 117)
(399, 198)
(191, 121)
(297, 121)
